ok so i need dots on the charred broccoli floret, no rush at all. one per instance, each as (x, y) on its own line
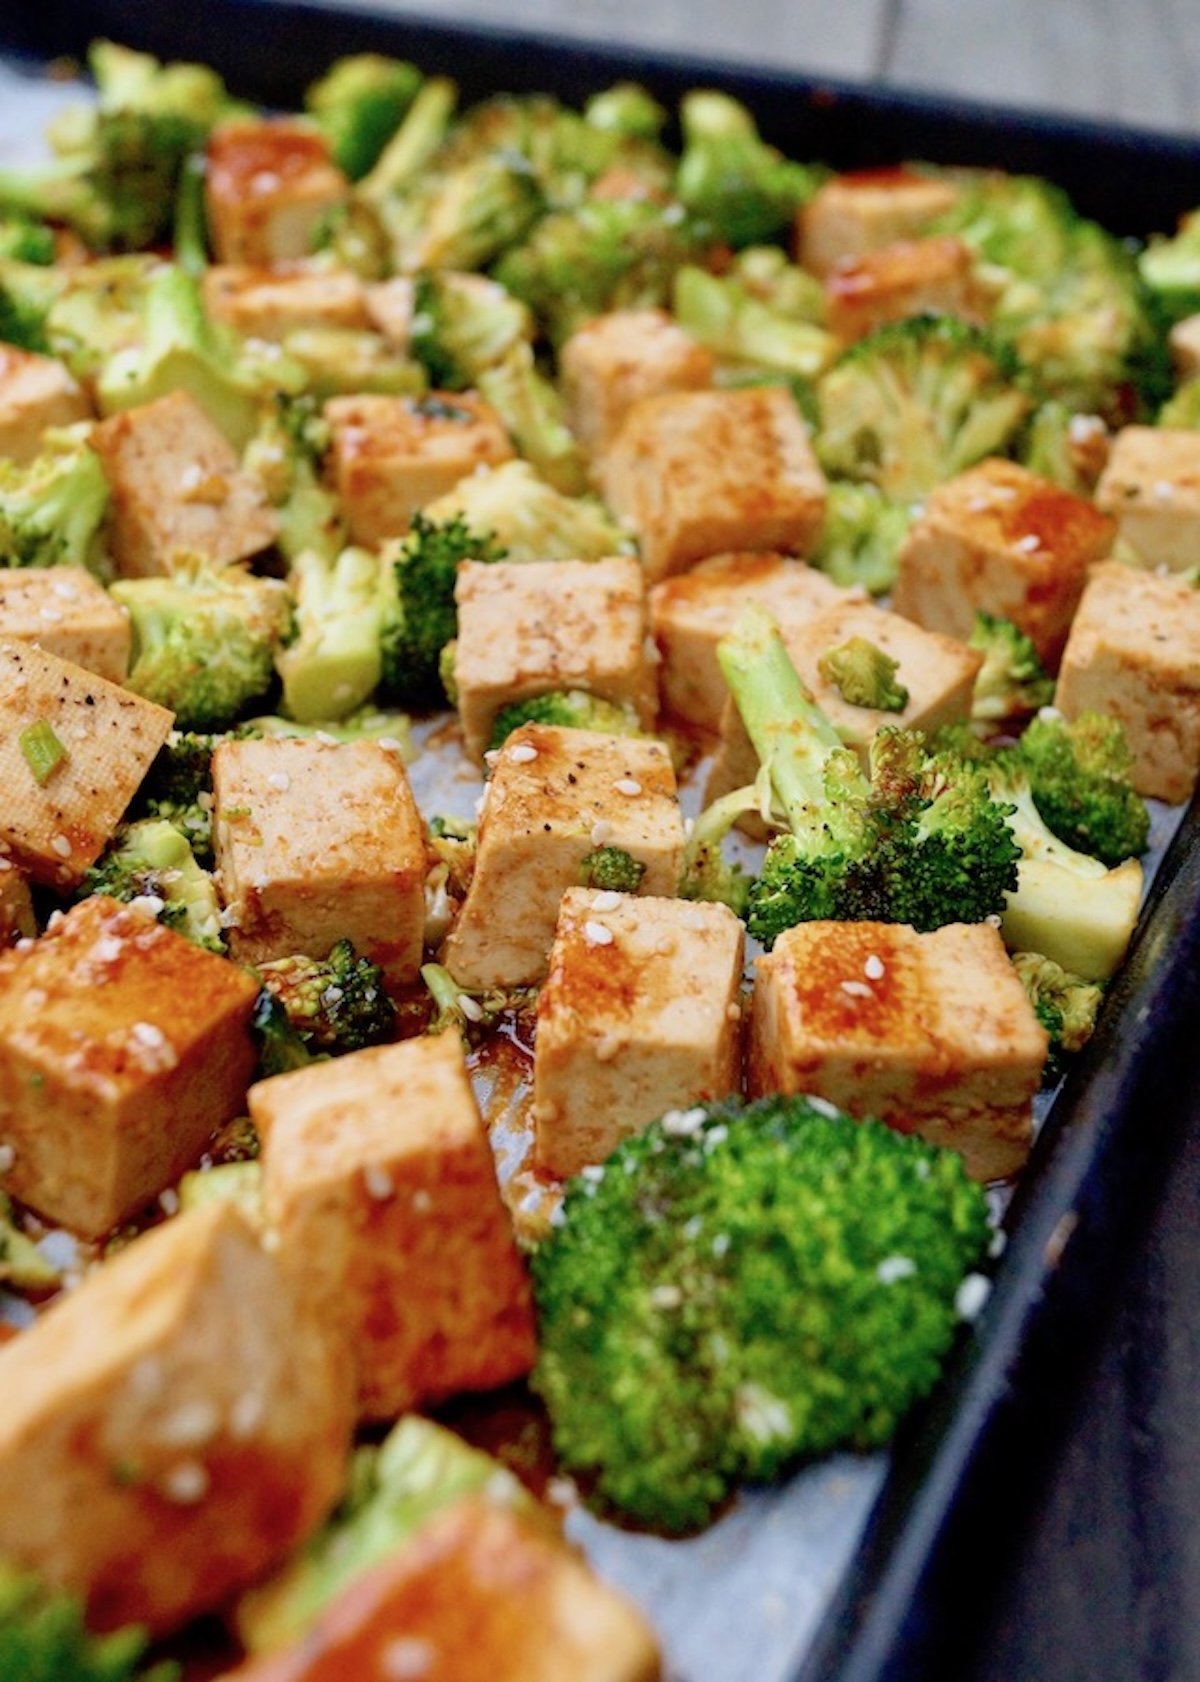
(285, 455)
(152, 865)
(334, 662)
(359, 103)
(44, 1638)
(611, 869)
(738, 1287)
(864, 676)
(425, 618)
(861, 539)
(335, 1004)
(568, 709)
(1078, 772)
(1012, 682)
(739, 189)
(529, 519)
(52, 509)
(1065, 1005)
(280, 1048)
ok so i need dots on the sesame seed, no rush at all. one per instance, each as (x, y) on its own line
(857, 989)
(186, 1483)
(7, 1157)
(151, 904)
(682, 1123)
(596, 934)
(1029, 543)
(605, 900)
(666, 1296)
(406, 1659)
(824, 1107)
(601, 832)
(1082, 427)
(628, 786)
(422, 1202)
(874, 968)
(378, 1183)
(894, 1268)
(471, 1008)
(246, 1414)
(193, 1423)
(168, 1201)
(280, 780)
(1164, 491)
(523, 754)
(971, 1296)
(61, 846)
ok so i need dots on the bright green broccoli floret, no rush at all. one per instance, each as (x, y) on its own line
(860, 541)
(1079, 773)
(611, 869)
(738, 1287)
(204, 640)
(426, 619)
(359, 103)
(567, 709)
(1065, 1005)
(153, 864)
(864, 676)
(52, 509)
(26, 239)
(335, 660)
(529, 519)
(347, 361)
(285, 455)
(1012, 682)
(753, 318)
(739, 189)
(626, 109)
(43, 1638)
(335, 1004)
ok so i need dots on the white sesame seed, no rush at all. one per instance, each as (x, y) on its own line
(152, 905)
(894, 1268)
(279, 780)
(999, 1243)
(666, 1296)
(1080, 428)
(593, 1173)
(874, 968)
(857, 990)
(1029, 542)
(7, 1157)
(422, 1202)
(1163, 491)
(605, 900)
(596, 934)
(471, 1008)
(601, 832)
(168, 1201)
(378, 1183)
(627, 785)
(61, 846)
(246, 1413)
(406, 1659)
(977, 504)
(108, 949)
(1050, 715)
(186, 1483)
(523, 754)
(191, 1424)
(824, 1107)
(680, 1124)
(971, 1296)
(51, 615)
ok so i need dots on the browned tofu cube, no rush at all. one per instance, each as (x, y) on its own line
(177, 488)
(1134, 652)
(479, 1590)
(1001, 540)
(55, 828)
(1184, 340)
(138, 1051)
(267, 304)
(932, 1033)
(556, 796)
(66, 612)
(616, 360)
(35, 392)
(392, 455)
(317, 843)
(706, 472)
(691, 612)
(267, 188)
(174, 1427)
(1151, 487)
(526, 630)
(912, 277)
(381, 1187)
(17, 921)
(868, 209)
(640, 1015)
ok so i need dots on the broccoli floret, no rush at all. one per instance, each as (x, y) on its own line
(1012, 682)
(280, 1048)
(52, 509)
(861, 539)
(462, 324)
(239, 1183)
(204, 640)
(1183, 409)
(347, 361)
(529, 519)
(1078, 772)
(152, 864)
(738, 1287)
(335, 1004)
(26, 239)
(864, 676)
(568, 709)
(335, 661)
(471, 1014)
(426, 618)
(178, 788)
(626, 109)
(748, 330)
(369, 724)
(27, 294)
(93, 310)
(406, 155)
(359, 103)
(706, 873)
(611, 869)
(739, 189)
(915, 403)
(1065, 1005)
(1171, 269)
(534, 415)
(43, 1638)
(285, 455)
(1067, 448)
(465, 217)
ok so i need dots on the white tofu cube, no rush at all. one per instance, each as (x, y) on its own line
(35, 392)
(268, 186)
(66, 612)
(616, 360)
(1151, 487)
(265, 304)
(912, 277)
(865, 210)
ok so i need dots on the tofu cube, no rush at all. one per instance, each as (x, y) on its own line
(556, 796)
(391, 455)
(1002, 540)
(266, 304)
(55, 829)
(317, 843)
(66, 612)
(390, 309)
(17, 921)
(35, 392)
(268, 186)
(177, 487)
(706, 472)
(139, 1050)
(1134, 652)
(932, 1033)
(616, 360)
(912, 277)
(379, 1181)
(1184, 339)
(866, 210)
(524, 630)
(640, 1015)
(1151, 487)
(173, 1427)
(690, 613)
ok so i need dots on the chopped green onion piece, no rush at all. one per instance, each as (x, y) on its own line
(43, 751)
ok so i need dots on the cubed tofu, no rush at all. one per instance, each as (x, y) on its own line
(1000, 540)
(35, 392)
(932, 1033)
(912, 277)
(616, 360)
(706, 472)
(390, 309)
(1151, 487)
(66, 612)
(478, 1590)
(380, 1185)
(1184, 340)
(640, 1015)
(316, 843)
(138, 1051)
(866, 210)
(1134, 653)
(17, 921)
(56, 828)
(266, 304)
(391, 455)
(690, 613)
(268, 186)
(525, 630)
(177, 488)
(173, 1427)
(554, 797)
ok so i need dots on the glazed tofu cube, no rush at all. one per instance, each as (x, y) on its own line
(317, 843)
(866, 210)
(640, 1015)
(263, 304)
(691, 612)
(912, 277)
(380, 1184)
(1134, 652)
(57, 827)
(556, 796)
(138, 1051)
(392, 455)
(932, 1033)
(16, 905)
(267, 188)
(1002, 540)
(1151, 487)
(35, 392)
(525, 630)
(390, 309)
(1184, 340)
(616, 360)
(706, 472)
(173, 1427)
(66, 612)
(177, 487)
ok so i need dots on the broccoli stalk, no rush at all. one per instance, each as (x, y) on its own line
(334, 1004)
(739, 189)
(470, 1014)
(567, 709)
(425, 618)
(414, 143)
(534, 414)
(335, 661)
(1012, 682)
(706, 873)
(864, 676)
(52, 509)
(1065, 1005)
(359, 103)
(153, 867)
(43, 1638)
